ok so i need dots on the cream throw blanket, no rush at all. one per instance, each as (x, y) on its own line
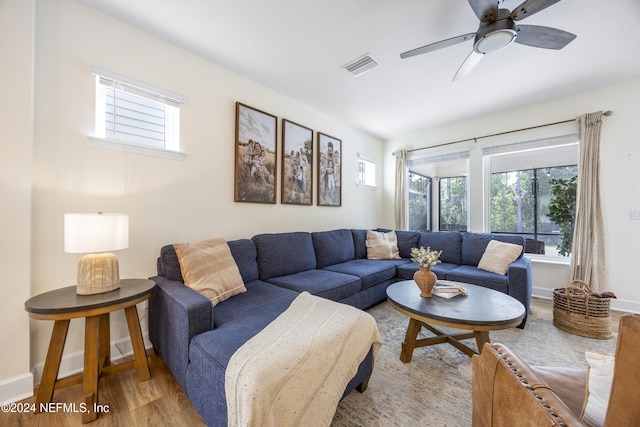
(294, 372)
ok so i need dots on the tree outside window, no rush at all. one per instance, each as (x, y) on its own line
(419, 202)
(453, 203)
(520, 203)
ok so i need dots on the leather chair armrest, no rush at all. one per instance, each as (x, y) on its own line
(507, 392)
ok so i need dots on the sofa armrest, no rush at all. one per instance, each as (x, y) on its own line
(177, 313)
(520, 276)
(507, 392)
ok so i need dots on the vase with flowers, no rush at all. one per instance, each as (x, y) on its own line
(425, 278)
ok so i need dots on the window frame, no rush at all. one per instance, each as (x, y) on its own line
(427, 195)
(363, 183)
(171, 148)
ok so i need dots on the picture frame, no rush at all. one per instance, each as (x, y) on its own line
(256, 155)
(297, 164)
(329, 170)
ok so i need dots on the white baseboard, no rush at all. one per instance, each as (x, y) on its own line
(16, 388)
(616, 304)
(21, 386)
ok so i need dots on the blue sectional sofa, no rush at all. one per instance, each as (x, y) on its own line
(196, 340)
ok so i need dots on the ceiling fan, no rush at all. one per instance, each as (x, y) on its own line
(498, 30)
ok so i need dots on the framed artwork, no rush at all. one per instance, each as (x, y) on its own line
(256, 155)
(297, 166)
(329, 170)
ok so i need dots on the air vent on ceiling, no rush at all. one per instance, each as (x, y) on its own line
(361, 65)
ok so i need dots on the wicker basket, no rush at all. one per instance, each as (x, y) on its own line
(577, 312)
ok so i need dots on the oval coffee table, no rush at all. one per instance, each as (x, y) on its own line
(481, 311)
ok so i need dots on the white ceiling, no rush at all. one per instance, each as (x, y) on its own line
(298, 48)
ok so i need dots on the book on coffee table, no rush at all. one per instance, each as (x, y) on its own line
(447, 289)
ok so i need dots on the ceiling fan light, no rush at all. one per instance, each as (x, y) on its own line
(495, 41)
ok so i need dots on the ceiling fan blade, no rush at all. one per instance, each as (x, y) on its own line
(485, 10)
(530, 7)
(469, 64)
(544, 37)
(437, 45)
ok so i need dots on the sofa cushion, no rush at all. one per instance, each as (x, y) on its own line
(599, 379)
(209, 268)
(474, 245)
(449, 242)
(244, 252)
(498, 255)
(333, 247)
(470, 274)
(239, 319)
(322, 283)
(168, 264)
(359, 243)
(382, 245)
(282, 254)
(370, 272)
(407, 240)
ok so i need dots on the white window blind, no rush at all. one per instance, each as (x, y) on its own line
(136, 113)
(536, 153)
(438, 158)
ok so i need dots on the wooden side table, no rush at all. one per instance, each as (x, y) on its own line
(62, 305)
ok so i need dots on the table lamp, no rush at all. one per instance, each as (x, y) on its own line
(96, 234)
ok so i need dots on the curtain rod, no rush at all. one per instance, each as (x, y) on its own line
(475, 139)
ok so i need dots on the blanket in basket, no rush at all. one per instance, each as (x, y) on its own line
(295, 371)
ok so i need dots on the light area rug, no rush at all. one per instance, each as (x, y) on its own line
(434, 389)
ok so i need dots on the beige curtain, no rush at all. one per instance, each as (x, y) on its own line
(401, 190)
(588, 253)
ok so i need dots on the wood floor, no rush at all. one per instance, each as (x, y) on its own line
(157, 402)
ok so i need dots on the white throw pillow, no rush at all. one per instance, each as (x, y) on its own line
(599, 378)
(382, 245)
(498, 256)
(209, 268)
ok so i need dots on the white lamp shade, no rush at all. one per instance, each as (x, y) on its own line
(95, 232)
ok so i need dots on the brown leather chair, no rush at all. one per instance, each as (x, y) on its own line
(509, 392)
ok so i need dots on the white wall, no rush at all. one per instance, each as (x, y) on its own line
(16, 143)
(620, 160)
(167, 200)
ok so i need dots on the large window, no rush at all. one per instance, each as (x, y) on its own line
(444, 207)
(520, 204)
(453, 203)
(520, 188)
(419, 202)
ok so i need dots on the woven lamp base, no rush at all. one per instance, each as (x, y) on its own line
(98, 273)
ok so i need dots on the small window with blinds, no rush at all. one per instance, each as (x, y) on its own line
(136, 117)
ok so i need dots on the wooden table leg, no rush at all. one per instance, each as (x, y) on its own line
(105, 339)
(140, 355)
(91, 374)
(410, 340)
(481, 338)
(52, 362)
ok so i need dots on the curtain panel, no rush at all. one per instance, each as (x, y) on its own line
(588, 249)
(402, 191)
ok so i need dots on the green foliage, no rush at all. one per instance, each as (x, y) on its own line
(419, 193)
(453, 203)
(562, 211)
